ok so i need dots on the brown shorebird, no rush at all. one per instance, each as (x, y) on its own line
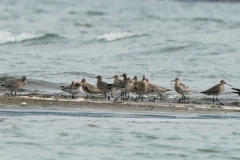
(141, 88)
(103, 86)
(74, 88)
(89, 89)
(16, 85)
(155, 89)
(236, 91)
(216, 90)
(182, 89)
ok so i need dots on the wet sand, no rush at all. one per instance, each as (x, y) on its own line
(40, 102)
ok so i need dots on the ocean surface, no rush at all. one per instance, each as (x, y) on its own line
(55, 42)
(115, 136)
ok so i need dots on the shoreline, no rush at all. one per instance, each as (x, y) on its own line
(40, 103)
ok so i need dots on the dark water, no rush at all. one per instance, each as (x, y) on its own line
(89, 135)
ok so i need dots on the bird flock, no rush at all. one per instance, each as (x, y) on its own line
(126, 86)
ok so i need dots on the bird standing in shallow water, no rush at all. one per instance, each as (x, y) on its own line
(155, 89)
(89, 89)
(16, 85)
(103, 86)
(181, 89)
(74, 88)
(216, 90)
(141, 88)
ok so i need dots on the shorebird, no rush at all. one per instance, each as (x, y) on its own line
(123, 85)
(117, 84)
(141, 88)
(135, 78)
(74, 88)
(134, 84)
(103, 86)
(182, 89)
(89, 89)
(16, 85)
(216, 90)
(155, 89)
(238, 91)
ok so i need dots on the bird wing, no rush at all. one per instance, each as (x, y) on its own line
(212, 90)
(119, 84)
(91, 89)
(186, 88)
(12, 84)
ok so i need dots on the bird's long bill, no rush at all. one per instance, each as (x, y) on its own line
(229, 84)
(173, 80)
(28, 82)
(93, 77)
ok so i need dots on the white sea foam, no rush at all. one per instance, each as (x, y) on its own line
(115, 36)
(8, 37)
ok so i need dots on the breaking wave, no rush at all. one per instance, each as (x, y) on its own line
(8, 37)
(115, 36)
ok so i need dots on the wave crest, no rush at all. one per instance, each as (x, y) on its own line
(115, 36)
(8, 37)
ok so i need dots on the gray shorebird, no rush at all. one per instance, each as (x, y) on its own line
(73, 89)
(135, 78)
(182, 89)
(122, 85)
(216, 90)
(141, 88)
(16, 85)
(117, 84)
(103, 86)
(155, 89)
(134, 82)
(89, 89)
(237, 91)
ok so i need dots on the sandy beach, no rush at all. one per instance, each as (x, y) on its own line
(40, 102)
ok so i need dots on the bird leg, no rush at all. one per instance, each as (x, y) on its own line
(72, 96)
(184, 99)
(213, 99)
(111, 95)
(154, 98)
(219, 101)
(92, 97)
(11, 92)
(180, 99)
(86, 97)
(119, 96)
(137, 97)
(15, 93)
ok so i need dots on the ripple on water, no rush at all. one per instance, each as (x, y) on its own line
(92, 125)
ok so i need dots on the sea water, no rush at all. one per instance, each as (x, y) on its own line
(60, 135)
(55, 42)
